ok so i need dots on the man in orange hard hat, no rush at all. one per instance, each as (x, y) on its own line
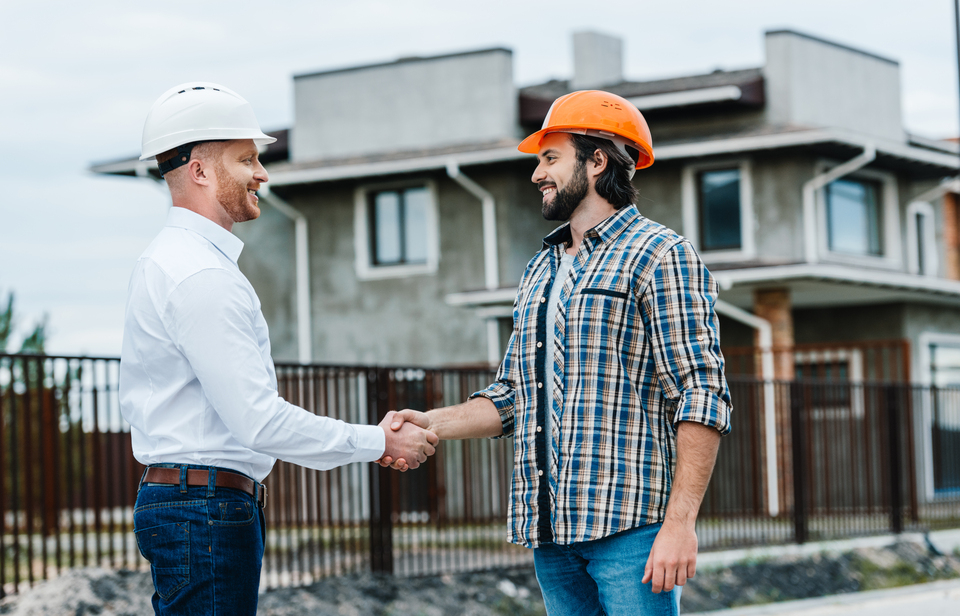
(612, 384)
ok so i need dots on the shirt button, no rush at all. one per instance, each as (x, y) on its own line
(539, 429)
(543, 299)
(539, 344)
(539, 385)
(700, 338)
(540, 473)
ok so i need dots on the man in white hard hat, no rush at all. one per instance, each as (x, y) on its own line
(197, 383)
(612, 383)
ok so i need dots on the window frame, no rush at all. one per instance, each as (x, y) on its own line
(891, 251)
(930, 259)
(924, 435)
(691, 206)
(366, 268)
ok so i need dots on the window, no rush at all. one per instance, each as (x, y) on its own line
(945, 424)
(922, 255)
(720, 227)
(396, 230)
(717, 210)
(854, 224)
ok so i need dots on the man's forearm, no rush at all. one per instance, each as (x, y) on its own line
(697, 446)
(477, 418)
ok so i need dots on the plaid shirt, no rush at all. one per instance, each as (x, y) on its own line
(637, 349)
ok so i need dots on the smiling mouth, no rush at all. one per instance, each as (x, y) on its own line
(548, 190)
(251, 191)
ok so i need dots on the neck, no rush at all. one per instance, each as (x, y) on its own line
(209, 210)
(592, 211)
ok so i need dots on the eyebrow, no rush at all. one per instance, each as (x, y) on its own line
(550, 151)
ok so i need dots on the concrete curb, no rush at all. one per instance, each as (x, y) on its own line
(851, 603)
(945, 541)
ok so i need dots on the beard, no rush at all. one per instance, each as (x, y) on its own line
(233, 196)
(567, 200)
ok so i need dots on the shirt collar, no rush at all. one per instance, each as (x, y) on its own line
(606, 230)
(227, 243)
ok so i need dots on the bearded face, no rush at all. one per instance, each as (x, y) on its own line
(234, 195)
(566, 200)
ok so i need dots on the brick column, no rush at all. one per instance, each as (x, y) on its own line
(951, 236)
(774, 305)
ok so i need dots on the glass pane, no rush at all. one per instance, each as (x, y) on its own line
(386, 215)
(945, 368)
(415, 201)
(853, 217)
(921, 247)
(720, 209)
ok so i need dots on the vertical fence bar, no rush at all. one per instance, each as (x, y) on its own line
(381, 488)
(895, 467)
(799, 467)
(3, 481)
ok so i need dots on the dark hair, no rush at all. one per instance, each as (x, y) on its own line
(614, 183)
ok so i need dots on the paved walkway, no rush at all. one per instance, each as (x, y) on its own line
(935, 599)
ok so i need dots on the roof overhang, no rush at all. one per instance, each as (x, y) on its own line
(933, 162)
(811, 286)
(938, 163)
(684, 98)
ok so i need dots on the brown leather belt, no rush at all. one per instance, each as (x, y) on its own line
(200, 477)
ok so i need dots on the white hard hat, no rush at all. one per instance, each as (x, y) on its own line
(198, 111)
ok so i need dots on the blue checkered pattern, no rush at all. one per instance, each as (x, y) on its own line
(637, 350)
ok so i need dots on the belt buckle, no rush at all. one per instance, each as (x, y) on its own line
(262, 496)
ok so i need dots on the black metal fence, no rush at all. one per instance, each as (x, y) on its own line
(807, 460)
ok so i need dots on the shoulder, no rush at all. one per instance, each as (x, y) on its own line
(180, 254)
(648, 236)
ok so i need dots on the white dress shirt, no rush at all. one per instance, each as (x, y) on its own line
(197, 383)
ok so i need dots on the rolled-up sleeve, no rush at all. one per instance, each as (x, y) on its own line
(212, 318)
(684, 335)
(503, 392)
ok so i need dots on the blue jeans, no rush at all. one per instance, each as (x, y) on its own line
(602, 577)
(204, 544)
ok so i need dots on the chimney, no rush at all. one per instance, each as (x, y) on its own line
(597, 60)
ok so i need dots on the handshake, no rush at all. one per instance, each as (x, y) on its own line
(409, 440)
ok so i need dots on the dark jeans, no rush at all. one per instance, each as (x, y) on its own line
(204, 544)
(602, 577)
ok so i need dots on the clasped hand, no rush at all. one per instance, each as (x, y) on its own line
(412, 423)
(408, 441)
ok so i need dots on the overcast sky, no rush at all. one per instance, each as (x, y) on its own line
(76, 81)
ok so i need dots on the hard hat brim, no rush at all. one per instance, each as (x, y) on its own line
(162, 145)
(531, 145)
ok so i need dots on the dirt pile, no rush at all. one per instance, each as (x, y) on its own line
(120, 593)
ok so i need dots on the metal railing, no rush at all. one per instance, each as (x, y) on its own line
(807, 460)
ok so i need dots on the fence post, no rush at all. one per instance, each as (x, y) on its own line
(895, 457)
(798, 440)
(381, 488)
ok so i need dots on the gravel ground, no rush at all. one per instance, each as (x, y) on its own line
(85, 592)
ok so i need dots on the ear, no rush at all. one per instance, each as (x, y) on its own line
(199, 172)
(597, 163)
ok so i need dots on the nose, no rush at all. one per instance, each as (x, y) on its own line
(260, 174)
(538, 174)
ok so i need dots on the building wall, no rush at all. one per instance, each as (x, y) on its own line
(816, 83)
(405, 105)
(267, 261)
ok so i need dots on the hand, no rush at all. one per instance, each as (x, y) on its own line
(408, 444)
(673, 557)
(399, 418)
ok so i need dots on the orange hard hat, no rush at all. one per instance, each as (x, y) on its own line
(597, 114)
